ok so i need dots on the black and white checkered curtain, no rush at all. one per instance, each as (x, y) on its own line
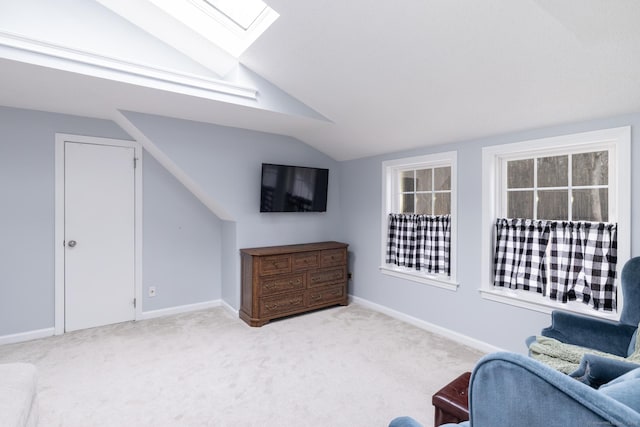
(519, 261)
(583, 263)
(421, 242)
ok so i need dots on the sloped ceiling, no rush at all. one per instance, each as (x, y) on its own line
(360, 78)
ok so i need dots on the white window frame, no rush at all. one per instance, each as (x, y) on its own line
(214, 25)
(618, 142)
(390, 169)
(236, 11)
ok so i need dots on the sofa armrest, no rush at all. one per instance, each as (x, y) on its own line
(508, 389)
(599, 334)
(595, 370)
(404, 421)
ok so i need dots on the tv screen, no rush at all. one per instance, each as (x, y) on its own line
(293, 189)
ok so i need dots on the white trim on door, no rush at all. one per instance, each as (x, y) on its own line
(60, 139)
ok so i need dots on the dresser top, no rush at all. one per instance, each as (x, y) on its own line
(286, 249)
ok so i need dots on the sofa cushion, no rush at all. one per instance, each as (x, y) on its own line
(596, 371)
(625, 389)
(633, 343)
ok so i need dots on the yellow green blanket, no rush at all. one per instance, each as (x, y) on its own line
(566, 357)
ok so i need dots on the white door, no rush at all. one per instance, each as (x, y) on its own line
(99, 235)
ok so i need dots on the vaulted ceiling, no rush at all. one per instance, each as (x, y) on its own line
(352, 78)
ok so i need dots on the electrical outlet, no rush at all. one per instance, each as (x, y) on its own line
(152, 291)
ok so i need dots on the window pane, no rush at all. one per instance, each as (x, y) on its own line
(553, 171)
(406, 181)
(591, 205)
(442, 179)
(590, 168)
(423, 180)
(423, 203)
(553, 204)
(520, 173)
(520, 204)
(442, 205)
(242, 13)
(406, 203)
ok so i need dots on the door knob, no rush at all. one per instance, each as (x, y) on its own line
(72, 243)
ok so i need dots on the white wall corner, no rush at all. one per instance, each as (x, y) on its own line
(162, 158)
(229, 309)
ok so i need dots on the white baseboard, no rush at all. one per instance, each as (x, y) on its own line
(232, 311)
(26, 336)
(447, 333)
(47, 332)
(455, 336)
(179, 309)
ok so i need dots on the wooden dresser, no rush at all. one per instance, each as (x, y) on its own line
(279, 281)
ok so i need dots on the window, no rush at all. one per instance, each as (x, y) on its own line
(241, 13)
(563, 202)
(233, 25)
(420, 207)
(424, 191)
(571, 187)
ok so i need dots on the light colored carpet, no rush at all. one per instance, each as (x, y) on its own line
(344, 366)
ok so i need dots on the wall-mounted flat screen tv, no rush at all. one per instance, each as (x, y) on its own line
(293, 189)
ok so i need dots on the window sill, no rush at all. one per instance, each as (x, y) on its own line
(427, 279)
(535, 302)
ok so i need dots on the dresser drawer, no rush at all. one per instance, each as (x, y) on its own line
(327, 276)
(276, 285)
(274, 264)
(333, 257)
(326, 295)
(306, 260)
(279, 281)
(282, 304)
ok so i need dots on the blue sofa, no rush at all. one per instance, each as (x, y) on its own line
(612, 337)
(509, 389)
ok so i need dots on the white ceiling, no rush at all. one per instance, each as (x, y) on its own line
(398, 75)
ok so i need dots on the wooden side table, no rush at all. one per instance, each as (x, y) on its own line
(451, 402)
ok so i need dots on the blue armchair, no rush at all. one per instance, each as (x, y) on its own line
(612, 337)
(509, 389)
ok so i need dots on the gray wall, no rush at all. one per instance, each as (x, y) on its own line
(27, 212)
(226, 163)
(181, 248)
(191, 256)
(181, 243)
(463, 311)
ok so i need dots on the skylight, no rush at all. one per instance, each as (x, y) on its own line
(242, 13)
(214, 33)
(233, 25)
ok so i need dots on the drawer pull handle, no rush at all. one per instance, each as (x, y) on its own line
(275, 305)
(272, 285)
(316, 297)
